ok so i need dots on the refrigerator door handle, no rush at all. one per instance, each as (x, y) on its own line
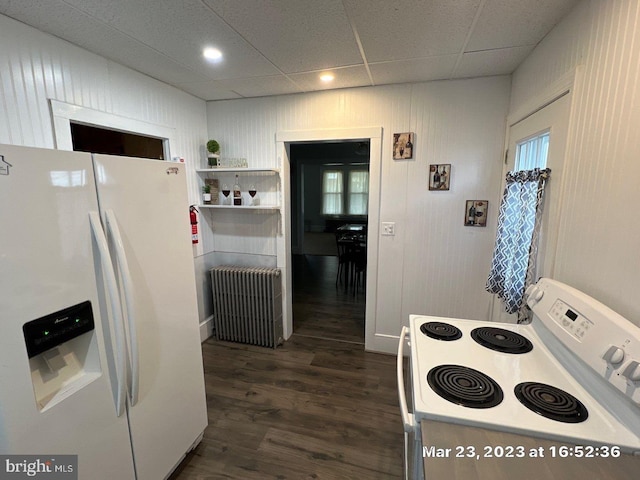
(114, 300)
(127, 283)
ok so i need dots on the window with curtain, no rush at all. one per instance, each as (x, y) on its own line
(513, 266)
(514, 255)
(358, 192)
(332, 188)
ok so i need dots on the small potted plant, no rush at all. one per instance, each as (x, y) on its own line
(206, 194)
(213, 148)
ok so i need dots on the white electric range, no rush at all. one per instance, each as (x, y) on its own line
(572, 375)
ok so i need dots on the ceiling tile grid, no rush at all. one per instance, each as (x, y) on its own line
(180, 30)
(391, 30)
(209, 90)
(345, 77)
(295, 35)
(261, 86)
(276, 47)
(415, 70)
(502, 61)
(509, 23)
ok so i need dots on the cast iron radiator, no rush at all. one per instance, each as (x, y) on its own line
(247, 305)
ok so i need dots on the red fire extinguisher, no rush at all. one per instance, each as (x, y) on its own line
(194, 224)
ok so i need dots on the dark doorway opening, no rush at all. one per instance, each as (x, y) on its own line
(329, 190)
(92, 139)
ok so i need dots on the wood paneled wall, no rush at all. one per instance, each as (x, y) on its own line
(36, 67)
(599, 233)
(434, 264)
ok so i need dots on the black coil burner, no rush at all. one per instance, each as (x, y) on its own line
(551, 402)
(465, 386)
(501, 340)
(441, 331)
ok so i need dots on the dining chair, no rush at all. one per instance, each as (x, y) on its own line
(359, 261)
(344, 243)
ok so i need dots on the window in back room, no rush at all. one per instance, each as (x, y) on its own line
(332, 198)
(358, 192)
(335, 202)
(92, 139)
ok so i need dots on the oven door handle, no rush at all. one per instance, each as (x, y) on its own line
(408, 419)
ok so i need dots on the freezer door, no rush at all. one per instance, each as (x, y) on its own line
(60, 400)
(146, 201)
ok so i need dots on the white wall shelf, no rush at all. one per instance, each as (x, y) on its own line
(237, 170)
(242, 207)
(265, 186)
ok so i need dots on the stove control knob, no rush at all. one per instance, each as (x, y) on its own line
(614, 356)
(534, 294)
(632, 372)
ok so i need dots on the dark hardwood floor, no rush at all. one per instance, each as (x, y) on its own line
(313, 408)
(320, 309)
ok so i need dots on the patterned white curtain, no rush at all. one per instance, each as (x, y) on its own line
(332, 192)
(516, 248)
(358, 192)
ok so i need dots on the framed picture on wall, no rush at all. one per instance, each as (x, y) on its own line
(475, 213)
(439, 176)
(403, 146)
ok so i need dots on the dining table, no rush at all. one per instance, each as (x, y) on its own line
(351, 228)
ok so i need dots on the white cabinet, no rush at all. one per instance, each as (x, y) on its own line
(266, 181)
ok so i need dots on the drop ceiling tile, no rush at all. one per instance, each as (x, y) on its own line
(416, 70)
(261, 86)
(150, 62)
(491, 62)
(209, 90)
(72, 25)
(344, 78)
(391, 30)
(296, 36)
(261, 40)
(505, 23)
(181, 30)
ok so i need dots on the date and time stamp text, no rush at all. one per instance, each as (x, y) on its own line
(519, 451)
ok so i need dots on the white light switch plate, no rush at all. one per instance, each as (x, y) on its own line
(388, 228)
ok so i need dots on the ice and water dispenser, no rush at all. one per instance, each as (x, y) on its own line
(63, 353)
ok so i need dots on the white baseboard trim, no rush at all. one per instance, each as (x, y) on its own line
(381, 343)
(206, 328)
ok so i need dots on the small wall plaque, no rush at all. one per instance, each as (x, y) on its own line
(403, 146)
(475, 214)
(439, 176)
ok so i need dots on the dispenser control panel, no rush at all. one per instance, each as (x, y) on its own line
(56, 328)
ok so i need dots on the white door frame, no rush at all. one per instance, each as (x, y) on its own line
(569, 83)
(63, 114)
(283, 248)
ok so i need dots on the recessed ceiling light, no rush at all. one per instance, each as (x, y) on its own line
(212, 53)
(326, 77)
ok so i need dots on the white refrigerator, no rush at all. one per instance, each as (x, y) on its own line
(100, 351)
